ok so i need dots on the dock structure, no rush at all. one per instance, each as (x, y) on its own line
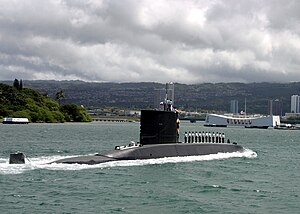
(120, 120)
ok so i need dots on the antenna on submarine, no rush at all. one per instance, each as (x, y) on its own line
(245, 107)
(166, 98)
(168, 103)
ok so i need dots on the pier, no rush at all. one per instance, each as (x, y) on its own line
(108, 119)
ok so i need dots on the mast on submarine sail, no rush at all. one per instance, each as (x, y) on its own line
(169, 97)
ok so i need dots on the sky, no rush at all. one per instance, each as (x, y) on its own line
(185, 41)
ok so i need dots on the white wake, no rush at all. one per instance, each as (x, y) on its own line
(43, 162)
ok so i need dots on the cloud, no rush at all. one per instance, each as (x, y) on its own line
(185, 41)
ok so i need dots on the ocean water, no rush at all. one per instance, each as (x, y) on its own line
(263, 179)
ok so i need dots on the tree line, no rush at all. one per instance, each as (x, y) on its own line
(17, 101)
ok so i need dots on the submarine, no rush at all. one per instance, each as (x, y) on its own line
(159, 138)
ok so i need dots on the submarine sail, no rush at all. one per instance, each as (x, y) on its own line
(158, 127)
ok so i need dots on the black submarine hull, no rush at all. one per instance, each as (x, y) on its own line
(155, 151)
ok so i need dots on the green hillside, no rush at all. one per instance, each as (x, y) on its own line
(37, 107)
(204, 97)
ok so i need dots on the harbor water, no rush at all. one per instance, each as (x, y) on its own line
(263, 179)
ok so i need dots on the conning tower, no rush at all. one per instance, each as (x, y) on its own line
(159, 127)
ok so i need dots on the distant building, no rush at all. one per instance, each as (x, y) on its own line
(275, 107)
(295, 104)
(215, 120)
(234, 106)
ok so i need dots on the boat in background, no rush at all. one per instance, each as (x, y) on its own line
(15, 121)
(287, 127)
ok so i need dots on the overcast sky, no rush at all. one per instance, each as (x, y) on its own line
(186, 41)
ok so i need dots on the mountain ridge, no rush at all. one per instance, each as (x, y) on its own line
(201, 97)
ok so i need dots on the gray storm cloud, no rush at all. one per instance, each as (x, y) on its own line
(184, 41)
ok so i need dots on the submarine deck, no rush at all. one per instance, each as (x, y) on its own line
(155, 151)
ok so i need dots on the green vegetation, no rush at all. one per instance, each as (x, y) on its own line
(59, 95)
(16, 101)
(18, 84)
(75, 113)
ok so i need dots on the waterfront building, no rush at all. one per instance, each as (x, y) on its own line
(234, 106)
(295, 104)
(275, 107)
(215, 120)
